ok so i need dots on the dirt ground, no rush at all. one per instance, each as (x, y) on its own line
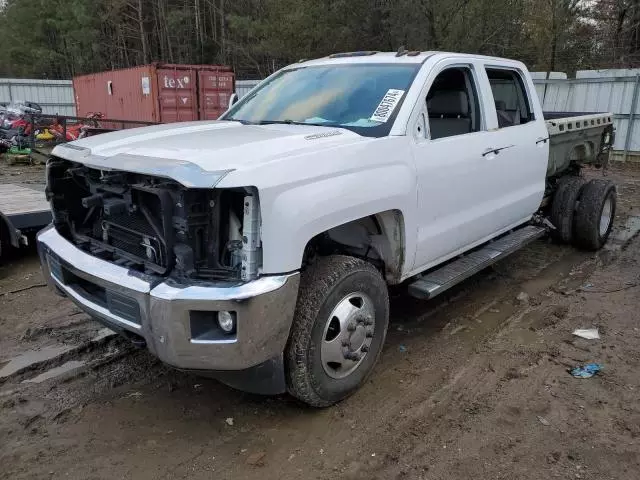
(471, 385)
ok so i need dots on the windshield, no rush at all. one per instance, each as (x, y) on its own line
(363, 98)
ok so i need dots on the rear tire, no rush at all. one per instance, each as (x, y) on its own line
(563, 207)
(339, 328)
(595, 214)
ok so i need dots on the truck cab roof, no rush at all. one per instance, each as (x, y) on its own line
(409, 57)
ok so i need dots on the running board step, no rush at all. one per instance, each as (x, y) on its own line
(436, 282)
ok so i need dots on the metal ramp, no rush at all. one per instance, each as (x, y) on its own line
(454, 272)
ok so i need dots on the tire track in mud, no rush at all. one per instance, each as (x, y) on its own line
(91, 354)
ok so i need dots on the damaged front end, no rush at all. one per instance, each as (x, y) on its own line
(171, 267)
(154, 225)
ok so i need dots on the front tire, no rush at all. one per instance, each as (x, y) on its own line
(339, 328)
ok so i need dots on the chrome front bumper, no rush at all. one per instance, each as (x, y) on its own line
(163, 311)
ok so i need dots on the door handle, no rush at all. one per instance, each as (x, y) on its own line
(495, 151)
(541, 140)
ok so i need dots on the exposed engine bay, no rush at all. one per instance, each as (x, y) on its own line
(155, 225)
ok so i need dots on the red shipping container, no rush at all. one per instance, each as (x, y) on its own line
(156, 93)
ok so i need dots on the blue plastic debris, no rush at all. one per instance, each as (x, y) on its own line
(586, 371)
(402, 348)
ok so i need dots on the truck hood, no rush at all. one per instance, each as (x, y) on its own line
(199, 154)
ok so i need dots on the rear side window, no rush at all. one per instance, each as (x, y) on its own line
(452, 104)
(510, 97)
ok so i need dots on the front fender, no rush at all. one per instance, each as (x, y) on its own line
(293, 215)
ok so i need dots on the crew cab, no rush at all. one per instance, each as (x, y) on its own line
(259, 248)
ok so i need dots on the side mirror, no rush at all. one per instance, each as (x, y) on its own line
(233, 99)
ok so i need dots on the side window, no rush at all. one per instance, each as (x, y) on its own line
(509, 95)
(452, 104)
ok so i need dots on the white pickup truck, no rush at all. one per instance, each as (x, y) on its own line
(259, 248)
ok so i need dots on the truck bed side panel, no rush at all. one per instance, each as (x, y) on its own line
(580, 138)
(558, 115)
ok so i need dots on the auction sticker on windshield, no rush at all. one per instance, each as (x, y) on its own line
(388, 104)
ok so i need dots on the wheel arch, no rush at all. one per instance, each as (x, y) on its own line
(583, 153)
(379, 238)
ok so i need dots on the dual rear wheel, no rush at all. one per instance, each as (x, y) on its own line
(583, 212)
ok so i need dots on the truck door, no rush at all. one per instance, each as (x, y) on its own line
(457, 198)
(519, 134)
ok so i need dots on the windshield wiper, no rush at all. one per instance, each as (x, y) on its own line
(286, 122)
(294, 122)
(243, 122)
(267, 122)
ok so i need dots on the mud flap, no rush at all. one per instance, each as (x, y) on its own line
(266, 378)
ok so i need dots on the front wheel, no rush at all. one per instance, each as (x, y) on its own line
(338, 331)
